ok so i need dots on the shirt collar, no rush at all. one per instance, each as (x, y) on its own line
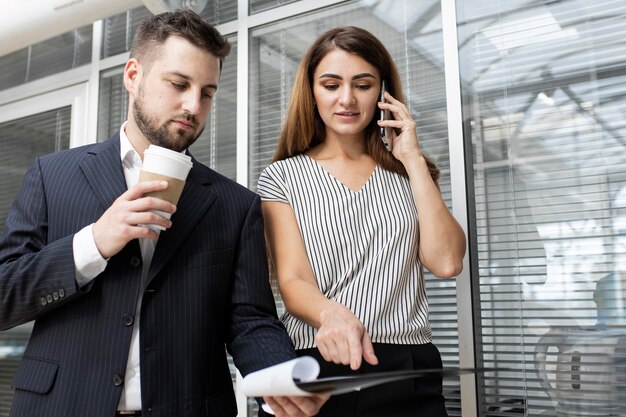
(128, 154)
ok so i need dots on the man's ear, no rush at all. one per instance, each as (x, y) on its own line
(131, 76)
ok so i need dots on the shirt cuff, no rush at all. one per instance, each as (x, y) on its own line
(87, 259)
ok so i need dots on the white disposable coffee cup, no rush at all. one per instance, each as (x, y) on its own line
(164, 164)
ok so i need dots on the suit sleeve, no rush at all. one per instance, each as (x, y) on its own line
(257, 339)
(36, 276)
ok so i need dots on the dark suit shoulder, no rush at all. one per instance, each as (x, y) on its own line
(77, 153)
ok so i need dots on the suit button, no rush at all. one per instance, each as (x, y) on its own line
(135, 261)
(61, 293)
(55, 296)
(128, 320)
(43, 301)
(117, 380)
(49, 298)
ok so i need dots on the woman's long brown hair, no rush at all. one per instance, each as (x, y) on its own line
(304, 129)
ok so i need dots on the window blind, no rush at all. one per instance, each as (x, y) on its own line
(120, 29)
(276, 51)
(52, 56)
(23, 140)
(220, 11)
(112, 103)
(543, 86)
(257, 6)
(217, 146)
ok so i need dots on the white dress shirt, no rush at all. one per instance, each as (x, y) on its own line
(89, 264)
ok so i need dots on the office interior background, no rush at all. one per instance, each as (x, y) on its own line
(521, 103)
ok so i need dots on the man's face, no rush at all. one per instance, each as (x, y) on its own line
(174, 94)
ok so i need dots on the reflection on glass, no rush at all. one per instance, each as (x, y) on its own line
(543, 87)
(257, 6)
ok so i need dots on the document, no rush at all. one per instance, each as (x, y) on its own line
(299, 377)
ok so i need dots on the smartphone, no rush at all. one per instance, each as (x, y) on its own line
(385, 132)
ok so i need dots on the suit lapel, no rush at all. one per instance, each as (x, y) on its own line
(102, 167)
(195, 200)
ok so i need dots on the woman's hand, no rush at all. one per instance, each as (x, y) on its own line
(341, 338)
(441, 238)
(405, 146)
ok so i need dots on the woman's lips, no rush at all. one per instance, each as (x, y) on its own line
(347, 114)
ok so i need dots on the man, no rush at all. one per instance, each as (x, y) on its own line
(129, 321)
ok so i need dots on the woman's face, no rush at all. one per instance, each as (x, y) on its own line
(346, 89)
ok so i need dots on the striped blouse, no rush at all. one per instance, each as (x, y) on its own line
(363, 247)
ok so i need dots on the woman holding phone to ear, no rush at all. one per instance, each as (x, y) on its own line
(350, 226)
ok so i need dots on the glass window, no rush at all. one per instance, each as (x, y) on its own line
(13, 69)
(119, 30)
(217, 146)
(214, 11)
(257, 6)
(22, 141)
(543, 88)
(52, 56)
(112, 103)
(413, 35)
(219, 11)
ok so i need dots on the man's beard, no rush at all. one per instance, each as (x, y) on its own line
(159, 135)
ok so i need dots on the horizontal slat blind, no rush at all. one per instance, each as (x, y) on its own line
(220, 11)
(52, 56)
(120, 29)
(544, 86)
(257, 6)
(22, 140)
(217, 146)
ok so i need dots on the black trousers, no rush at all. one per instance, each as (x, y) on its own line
(418, 397)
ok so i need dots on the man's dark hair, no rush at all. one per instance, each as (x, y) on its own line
(155, 30)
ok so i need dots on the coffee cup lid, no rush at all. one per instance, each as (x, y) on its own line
(168, 153)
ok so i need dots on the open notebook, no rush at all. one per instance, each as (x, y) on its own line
(299, 377)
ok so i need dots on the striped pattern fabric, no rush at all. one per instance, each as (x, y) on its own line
(207, 290)
(363, 247)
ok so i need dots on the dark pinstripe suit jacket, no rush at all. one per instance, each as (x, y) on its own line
(207, 288)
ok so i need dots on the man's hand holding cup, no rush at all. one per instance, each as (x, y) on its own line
(146, 208)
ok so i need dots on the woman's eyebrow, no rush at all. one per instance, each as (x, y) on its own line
(354, 77)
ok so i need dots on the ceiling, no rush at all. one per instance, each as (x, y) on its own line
(26, 22)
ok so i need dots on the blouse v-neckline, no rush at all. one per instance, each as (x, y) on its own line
(341, 183)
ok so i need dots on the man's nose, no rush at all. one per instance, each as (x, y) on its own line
(192, 102)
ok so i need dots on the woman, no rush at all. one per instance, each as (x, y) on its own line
(341, 218)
